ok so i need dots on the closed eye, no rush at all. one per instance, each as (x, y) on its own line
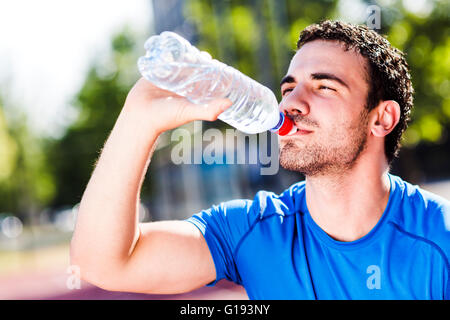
(286, 90)
(326, 88)
(321, 87)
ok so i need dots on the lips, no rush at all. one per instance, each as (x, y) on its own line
(301, 131)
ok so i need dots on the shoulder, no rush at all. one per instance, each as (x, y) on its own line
(422, 205)
(266, 203)
(241, 214)
(423, 214)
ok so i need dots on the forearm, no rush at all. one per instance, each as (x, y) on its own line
(107, 222)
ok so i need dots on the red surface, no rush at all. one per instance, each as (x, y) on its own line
(53, 286)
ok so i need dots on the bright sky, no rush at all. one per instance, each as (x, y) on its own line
(46, 47)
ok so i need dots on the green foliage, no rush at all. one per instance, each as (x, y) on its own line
(26, 184)
(8, 151)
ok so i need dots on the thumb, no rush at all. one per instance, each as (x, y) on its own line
(211, 110)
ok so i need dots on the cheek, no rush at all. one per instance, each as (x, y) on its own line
(336, 128)
(328, 110)
(329, 117)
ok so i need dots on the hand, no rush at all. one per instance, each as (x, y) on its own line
(166, 110)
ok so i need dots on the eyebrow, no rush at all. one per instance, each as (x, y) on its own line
(328, 76)
(287, 79)
(316, 76)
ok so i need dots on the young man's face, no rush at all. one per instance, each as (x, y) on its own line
(325, 93)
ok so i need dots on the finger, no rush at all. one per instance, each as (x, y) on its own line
(211, 110)
(146, 87)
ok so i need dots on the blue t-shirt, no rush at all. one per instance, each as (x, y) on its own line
(274, 249)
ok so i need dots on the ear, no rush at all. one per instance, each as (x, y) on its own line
(385, 117)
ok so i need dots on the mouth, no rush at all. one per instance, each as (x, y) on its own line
(301, 132)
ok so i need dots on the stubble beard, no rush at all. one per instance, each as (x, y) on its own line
(334, 155)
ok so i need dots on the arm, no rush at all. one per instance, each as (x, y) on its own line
(111, 248)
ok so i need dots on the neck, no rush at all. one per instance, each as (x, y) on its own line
(348, 205)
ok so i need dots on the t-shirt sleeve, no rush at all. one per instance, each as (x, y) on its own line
(223, 226)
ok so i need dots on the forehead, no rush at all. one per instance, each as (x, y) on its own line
(330, 57)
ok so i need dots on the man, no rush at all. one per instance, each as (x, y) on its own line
(351, 230)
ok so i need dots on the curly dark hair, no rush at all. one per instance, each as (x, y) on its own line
(387, 73)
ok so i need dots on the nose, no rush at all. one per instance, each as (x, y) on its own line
(295, 102)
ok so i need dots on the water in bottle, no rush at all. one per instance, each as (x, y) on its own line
(173, 64)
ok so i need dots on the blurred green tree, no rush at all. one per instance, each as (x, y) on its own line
(26, 183)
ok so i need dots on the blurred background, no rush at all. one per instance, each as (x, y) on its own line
(66, 68)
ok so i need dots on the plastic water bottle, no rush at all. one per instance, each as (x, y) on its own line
(173, 64)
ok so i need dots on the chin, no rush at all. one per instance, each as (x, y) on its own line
(303, 160)
(291, 160)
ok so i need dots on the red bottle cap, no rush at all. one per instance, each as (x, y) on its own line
(287, 127)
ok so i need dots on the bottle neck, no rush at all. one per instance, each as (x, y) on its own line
(279, 124)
